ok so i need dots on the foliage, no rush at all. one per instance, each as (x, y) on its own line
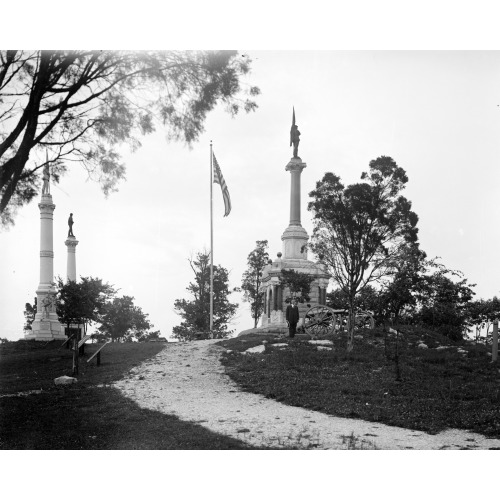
(83, 302)
(79, 106)
(195, 313)
(252, 279)
(149, 336)
(367, 299)
(122, 320)
(444, 302)
(361, 231)
(29, 315)
(401, 293)
(298, 283)
(481, 314)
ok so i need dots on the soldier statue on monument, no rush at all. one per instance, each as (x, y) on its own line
(70, 226)
(294, 137)
(46, 179)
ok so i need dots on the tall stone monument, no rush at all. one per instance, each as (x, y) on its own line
(46, 325)
(71, 243)
(293, 255)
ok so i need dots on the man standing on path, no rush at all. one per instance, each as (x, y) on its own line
(292, 318)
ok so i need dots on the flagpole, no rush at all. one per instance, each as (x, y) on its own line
(211, 246)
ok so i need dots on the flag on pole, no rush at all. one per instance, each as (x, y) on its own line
(218, 179)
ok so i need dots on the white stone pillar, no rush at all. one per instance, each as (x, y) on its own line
(46, 325)
(71, 243)
(295, 236)
(295, 167)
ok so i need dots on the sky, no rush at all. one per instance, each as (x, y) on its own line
(435, 113)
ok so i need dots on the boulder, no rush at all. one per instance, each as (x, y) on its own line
(423, 346)
(65, 380)
(279, 344)
(324, 348)
(258, 349)
(321, 342)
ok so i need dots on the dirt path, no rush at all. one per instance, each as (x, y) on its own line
(187, 380)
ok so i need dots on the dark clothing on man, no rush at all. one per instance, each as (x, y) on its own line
(292, 318)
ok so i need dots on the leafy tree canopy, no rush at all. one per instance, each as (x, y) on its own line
(361, 231)
(79, 106)
(122, 320)
(82, 302)
(195, 313)
(252, 279)
(298, 283)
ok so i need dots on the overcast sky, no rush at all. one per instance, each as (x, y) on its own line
(435, 113)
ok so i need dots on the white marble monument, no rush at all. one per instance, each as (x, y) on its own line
(46, 325)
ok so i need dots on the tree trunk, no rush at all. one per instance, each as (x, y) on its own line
(350, 328)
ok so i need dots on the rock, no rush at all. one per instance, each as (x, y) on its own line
(278, 344)
(259, 349)
(442, 347)
(423, 346)
(229, 351)
(324, 348)
(65, 380)
(321, 342)
(358, 337)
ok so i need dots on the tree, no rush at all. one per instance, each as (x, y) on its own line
(78, 106)
(29, 315)
(252, 279)
(407, 284)
(481, 314)
(122, 320)
(360, 230)
(150, 336)
(444, 302)
(298, 283)
(195, 313)
(81, 304)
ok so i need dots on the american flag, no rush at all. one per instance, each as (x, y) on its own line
(218, 179)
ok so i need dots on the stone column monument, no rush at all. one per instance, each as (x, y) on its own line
(46, 325)
(293, 256)
(71, 243)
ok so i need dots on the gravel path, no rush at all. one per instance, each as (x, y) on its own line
(187, 380)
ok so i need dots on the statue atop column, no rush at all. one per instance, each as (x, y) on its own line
(70, 224)
(294, 137)
(46, 179)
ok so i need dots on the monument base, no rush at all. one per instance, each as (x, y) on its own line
(46, 329)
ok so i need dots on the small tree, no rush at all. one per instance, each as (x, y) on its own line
(122, 320)
(252, 280)
(195, 313)
(81, 303)
(298, 283)
(361, 230)
(29, 315)
(149, 336)
(444, 302)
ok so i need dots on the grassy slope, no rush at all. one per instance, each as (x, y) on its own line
(439, 388)
(84, 416)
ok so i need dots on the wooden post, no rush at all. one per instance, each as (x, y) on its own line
(99, 358)
(494, 345)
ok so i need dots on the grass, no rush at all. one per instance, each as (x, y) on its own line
(90, 414)
(437, 388)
